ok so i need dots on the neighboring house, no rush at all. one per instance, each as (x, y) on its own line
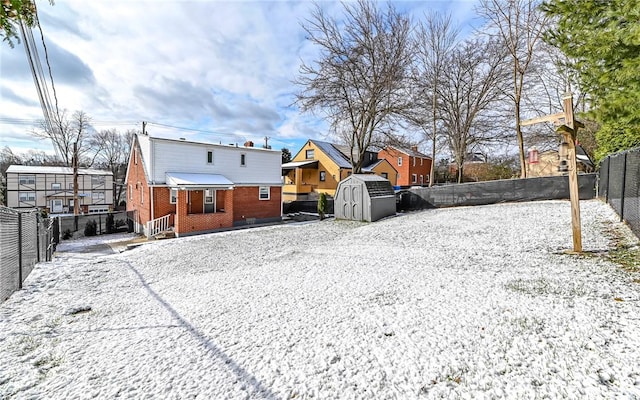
(319, 166)
(413, 167)
(201, 187)
(547, 163)
(51, 188)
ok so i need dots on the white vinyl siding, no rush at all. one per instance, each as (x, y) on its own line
(264, 167)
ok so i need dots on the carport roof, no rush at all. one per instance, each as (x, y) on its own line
(192, 181)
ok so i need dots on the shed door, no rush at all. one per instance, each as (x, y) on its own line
(352, 202)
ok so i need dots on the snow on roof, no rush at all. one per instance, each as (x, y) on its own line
(296, 164)
(199, 180)
(31, 169)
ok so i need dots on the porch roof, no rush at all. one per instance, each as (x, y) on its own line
(313, 164)
(192, 181)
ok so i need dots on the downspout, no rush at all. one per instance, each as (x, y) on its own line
(152, 207)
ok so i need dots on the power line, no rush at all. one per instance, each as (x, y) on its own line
(235, 136)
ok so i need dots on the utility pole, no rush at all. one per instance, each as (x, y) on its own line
(266, 142)
(76, 207)
(144, 127)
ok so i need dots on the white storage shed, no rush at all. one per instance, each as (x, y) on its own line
(364, 197)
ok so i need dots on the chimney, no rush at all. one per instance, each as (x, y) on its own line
(414, 148)
(248, 143)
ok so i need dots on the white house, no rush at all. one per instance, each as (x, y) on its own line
(198, 187)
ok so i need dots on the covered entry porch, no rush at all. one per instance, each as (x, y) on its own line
(204, 202)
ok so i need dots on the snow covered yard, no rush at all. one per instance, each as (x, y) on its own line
(469, 303)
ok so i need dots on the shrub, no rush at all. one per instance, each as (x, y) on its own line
(322, 205)
(111, 224)
(90, 228)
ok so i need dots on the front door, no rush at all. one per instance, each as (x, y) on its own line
(56, 206)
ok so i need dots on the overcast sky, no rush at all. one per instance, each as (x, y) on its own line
(221, 67)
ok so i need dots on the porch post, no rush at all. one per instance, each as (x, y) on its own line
(181, 210)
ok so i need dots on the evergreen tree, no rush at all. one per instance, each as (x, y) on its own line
(602, 40)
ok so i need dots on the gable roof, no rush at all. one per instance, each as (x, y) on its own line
(333, 153)
(409, 152)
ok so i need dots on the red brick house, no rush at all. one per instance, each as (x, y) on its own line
(192, 187)
(413, 167)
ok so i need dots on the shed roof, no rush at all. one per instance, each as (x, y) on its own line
(377, 186)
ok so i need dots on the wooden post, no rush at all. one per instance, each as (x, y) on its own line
(568, 131)
(574, 194)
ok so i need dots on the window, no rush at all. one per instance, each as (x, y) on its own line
(421, 161)
(323, 176)
(309, 154)
(130, 192)
(27, 196)
(414, 178)
(264, 193)
(414, 161)
(243, 160)
(209, 196)
(385, 175)
(71, 186)
(97, 195)
(135, 156)
(399, 161)
(173, 196)
(27, 179)
(210, 157)
(97, 180)
(56, 186)
(421, 179)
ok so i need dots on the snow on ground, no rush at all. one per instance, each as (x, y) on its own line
(468, 303)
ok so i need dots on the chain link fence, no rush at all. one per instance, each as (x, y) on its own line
(619, 185)
(25, 239)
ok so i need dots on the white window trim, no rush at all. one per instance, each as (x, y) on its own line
(173, 199)
(260, 189)
(59, 186)
(26, 198)
(27, 180)
(243, 159)
(210, 151)
(130, 192)
(414, 178)
(399, 161)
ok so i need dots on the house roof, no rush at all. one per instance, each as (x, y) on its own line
(410, 152)
(333, 153)
(31, 169)
(190, 180)
(370, 167)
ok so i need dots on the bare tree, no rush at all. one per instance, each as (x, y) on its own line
(520, 25)
(111, 149)
(470, 94)
(435, 39)
(64, 132)
(360, 77)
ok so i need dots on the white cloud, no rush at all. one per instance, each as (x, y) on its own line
(221, 66)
